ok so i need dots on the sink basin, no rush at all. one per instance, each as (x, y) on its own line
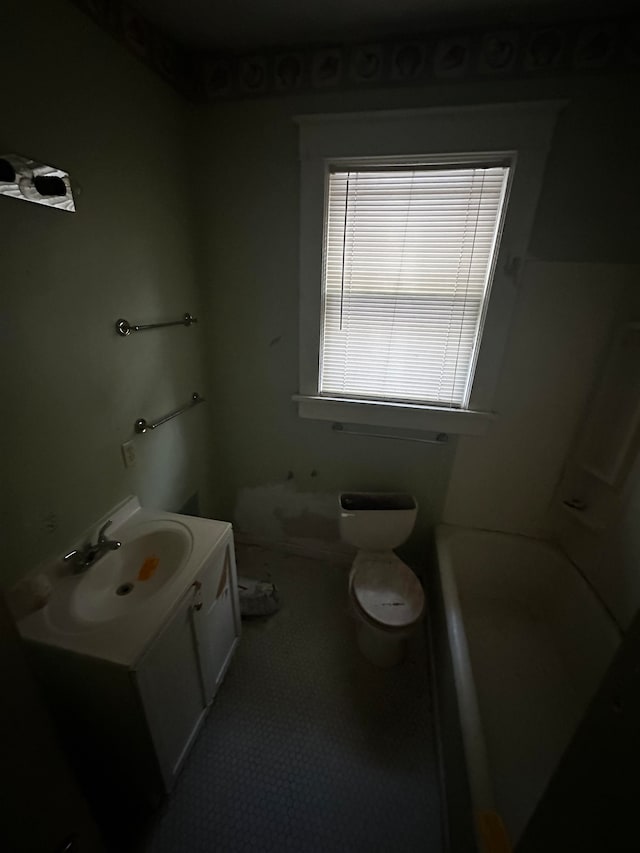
(122, 581)
(113, 609)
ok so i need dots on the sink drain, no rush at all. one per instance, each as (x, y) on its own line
(124, 589)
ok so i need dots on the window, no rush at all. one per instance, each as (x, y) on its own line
(407, 267)
(411, 227)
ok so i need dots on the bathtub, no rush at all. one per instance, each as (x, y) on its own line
(528, 643)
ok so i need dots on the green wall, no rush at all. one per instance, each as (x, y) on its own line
(72, 388)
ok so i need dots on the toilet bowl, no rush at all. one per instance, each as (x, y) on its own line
(386, 596)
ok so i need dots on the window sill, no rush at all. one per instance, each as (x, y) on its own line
(403, 415)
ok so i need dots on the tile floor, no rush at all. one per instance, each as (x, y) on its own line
(308, 747)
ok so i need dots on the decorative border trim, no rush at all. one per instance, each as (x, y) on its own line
(176, 64)
(576, 47)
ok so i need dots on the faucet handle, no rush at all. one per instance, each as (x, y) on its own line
(79, 559)
(101, 536)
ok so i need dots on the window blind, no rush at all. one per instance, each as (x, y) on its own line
(408, 257)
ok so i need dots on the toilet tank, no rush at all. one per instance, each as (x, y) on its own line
(376, 521)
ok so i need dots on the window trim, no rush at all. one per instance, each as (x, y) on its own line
(522, 131)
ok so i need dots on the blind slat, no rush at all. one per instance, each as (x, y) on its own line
(408, 255)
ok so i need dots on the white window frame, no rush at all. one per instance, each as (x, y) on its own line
(521, 132)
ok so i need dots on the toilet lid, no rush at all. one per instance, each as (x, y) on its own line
(387, 590)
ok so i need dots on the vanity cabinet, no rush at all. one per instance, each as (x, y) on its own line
(136, 721)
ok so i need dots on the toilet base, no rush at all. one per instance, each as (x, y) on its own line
(378, 647)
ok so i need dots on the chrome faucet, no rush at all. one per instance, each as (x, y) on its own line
(89, 554)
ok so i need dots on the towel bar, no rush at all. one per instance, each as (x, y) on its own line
(124, 328)
(441, 438)
(141, 425)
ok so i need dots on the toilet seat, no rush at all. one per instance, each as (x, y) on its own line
(386, 590)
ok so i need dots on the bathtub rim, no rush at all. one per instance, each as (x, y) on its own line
(474, 744)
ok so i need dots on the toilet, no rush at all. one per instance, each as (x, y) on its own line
(386, 597)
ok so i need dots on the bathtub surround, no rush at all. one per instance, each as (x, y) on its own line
(613, 569)
(602, 535)
(559, 338)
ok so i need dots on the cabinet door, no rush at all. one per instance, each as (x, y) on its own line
(217, 621)
(168, 678)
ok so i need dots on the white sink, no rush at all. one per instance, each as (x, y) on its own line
(123, 580)
(111, 609)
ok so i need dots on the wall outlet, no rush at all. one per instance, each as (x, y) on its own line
(128, 453)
